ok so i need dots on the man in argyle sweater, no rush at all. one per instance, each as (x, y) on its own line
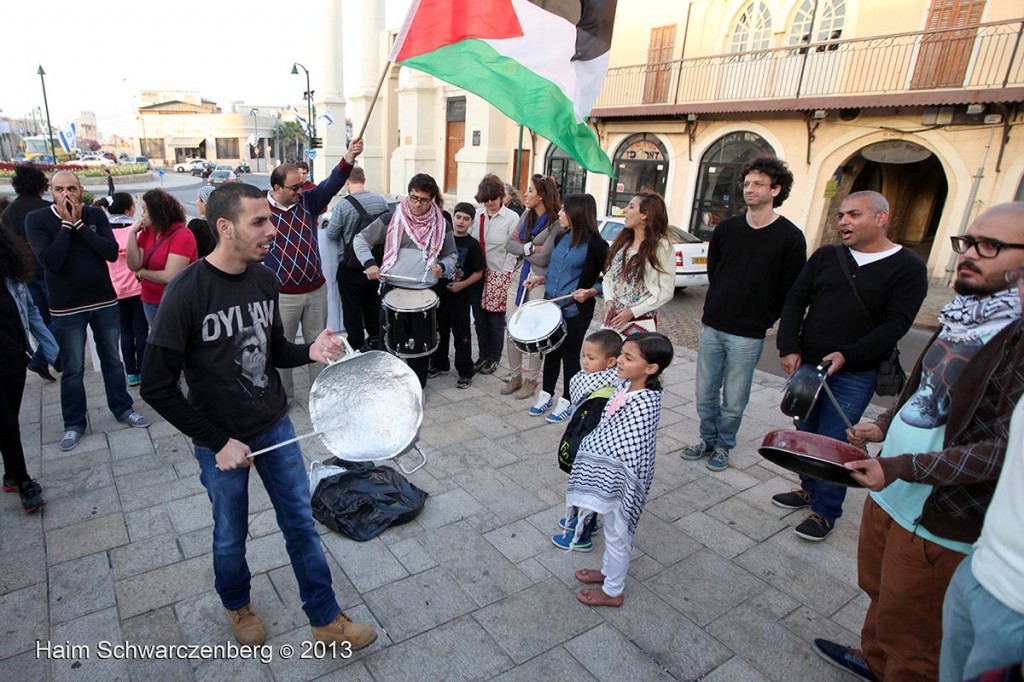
(295, 258)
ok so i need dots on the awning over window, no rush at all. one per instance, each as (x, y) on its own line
(186, 141)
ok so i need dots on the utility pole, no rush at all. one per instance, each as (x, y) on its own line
(49, 128)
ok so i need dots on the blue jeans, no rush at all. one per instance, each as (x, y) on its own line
(41, 299)
(853, 391)
(725, 370)
(150, 311)
(69, 330)
(283, 473)
(979, 632)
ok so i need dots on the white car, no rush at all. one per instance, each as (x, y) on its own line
(186, 165)
(93, 160)
(691, 252)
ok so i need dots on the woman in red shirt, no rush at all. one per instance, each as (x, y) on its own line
(159, 247)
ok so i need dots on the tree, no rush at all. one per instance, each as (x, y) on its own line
(290, 141)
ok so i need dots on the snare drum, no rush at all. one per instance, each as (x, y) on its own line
(537, 327)
(410, 322)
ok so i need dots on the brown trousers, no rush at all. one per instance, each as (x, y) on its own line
(905, 578)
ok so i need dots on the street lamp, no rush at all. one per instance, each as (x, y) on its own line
(49, 128)
(309, 109)
(255, 137)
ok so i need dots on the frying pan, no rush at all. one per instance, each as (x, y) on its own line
(802, 390)
(366, 407)
(812, 454)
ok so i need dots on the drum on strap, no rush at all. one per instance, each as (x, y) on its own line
(410, 322)
(537, 327)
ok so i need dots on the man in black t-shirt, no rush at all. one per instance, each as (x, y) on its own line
(753, 259)
(220, 322)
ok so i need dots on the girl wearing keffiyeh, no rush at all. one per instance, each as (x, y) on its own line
(614, 466)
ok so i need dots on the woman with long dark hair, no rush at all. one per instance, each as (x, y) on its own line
(159, 247)
(18, 318)
(542, 205)
(134, 327)
(640, 270)
(577, 255)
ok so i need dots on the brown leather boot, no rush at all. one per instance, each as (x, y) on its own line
(528, 389)
(246, 626)
(342, 629)
(513, 385)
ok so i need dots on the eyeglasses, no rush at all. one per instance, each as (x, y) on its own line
(986, 248)
(1014, 276)
(419, 201)
(295, 188)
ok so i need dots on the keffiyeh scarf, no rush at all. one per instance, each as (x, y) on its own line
(614, 467)
(426, 231)
(968, 317)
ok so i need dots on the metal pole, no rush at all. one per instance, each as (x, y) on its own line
(256, 136)
(49, 128)
(516, 170)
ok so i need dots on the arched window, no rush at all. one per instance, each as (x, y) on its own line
(753, 29)
(641, 162)
(827, 25)
(569, 175)
(718, 194)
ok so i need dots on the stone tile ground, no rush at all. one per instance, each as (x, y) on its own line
(719, 587)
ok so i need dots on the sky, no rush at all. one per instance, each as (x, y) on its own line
(225, 49)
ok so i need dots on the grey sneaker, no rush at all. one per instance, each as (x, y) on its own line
(135, 419)
(70, 440)
(719, 459)
(695, 452)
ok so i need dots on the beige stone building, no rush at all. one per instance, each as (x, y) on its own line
(918, 99)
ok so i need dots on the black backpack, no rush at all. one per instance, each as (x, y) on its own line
(584, 420)
(365, 220)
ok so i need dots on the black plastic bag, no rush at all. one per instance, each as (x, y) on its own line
(365, 500)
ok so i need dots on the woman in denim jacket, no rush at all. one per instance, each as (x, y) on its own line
(18, 318)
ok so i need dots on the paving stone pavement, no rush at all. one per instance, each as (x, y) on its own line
(719, 587)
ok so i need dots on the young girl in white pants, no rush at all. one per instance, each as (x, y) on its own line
(614, 467)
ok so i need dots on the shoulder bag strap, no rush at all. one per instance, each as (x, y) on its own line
(355, 204)
(483, 246)
(145, 263)
(845, 267)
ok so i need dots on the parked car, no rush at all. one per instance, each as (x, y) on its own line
(108, 156)
(187, 164)
(93, 160)
(224, 166)
(203, 169)
(691, 252)
(141, 161)
(221, 177)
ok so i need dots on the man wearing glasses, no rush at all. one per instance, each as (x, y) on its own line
(944, 444)
(295, 257)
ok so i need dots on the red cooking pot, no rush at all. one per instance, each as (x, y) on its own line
(812, 455)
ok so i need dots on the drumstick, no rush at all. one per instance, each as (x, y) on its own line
(562, 298)
(389, 275)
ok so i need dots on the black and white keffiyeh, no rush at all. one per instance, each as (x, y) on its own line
(614, 467)
(583, 384)
(968, 317)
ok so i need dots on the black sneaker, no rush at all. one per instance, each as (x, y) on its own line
(43, 371)
(479, 364)
(794, 499)
(844, 658)
(814, 528)
(464, 382)
(488, 367)
(435, 372)
(31, 496)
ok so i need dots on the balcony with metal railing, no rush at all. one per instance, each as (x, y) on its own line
(981, 63)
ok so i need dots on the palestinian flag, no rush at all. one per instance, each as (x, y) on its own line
(540, 62)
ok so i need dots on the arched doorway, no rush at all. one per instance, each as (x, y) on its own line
(718, 194)
(569, 175)
(641, 162)
(910, 177)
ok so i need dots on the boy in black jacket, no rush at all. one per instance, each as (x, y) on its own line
(456, 294)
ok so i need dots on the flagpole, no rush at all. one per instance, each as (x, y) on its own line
(366, 120)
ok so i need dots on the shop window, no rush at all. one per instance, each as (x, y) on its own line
(640, 162)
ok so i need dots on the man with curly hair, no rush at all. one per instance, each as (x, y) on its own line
(753, 259)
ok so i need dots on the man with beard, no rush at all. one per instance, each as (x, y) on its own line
(220, 322)
(945, 440)
(848, 307)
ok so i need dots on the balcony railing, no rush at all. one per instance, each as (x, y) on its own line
(982, 57)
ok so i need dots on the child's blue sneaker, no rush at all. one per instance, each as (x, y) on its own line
(572, 526)
(565, 542)
(542, 405)
(561, 413)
